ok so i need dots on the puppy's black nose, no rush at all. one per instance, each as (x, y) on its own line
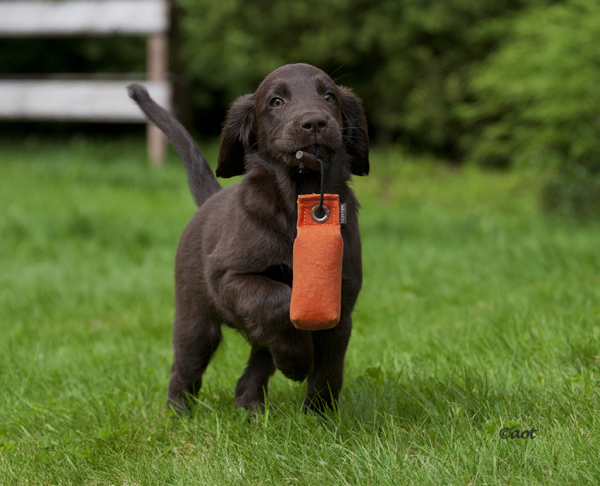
(314, 123)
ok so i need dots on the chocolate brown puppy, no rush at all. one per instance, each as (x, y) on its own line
(234, 262)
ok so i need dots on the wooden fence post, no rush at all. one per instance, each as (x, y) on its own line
(157, 71)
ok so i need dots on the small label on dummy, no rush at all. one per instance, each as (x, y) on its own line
(342, 213)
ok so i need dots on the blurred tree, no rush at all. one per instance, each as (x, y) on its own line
(539, 102)
(408, 59)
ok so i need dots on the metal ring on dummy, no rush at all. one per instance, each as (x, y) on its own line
(315, 218)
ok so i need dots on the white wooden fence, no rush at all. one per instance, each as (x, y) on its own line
(94, 100)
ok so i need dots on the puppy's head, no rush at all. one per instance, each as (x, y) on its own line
(295, 108)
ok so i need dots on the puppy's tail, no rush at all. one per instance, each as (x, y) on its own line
(201, 179)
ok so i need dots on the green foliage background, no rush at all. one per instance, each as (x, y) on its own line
(409, 60)
(461, 78)
(538, 101)
(541, 90)
(499, 83)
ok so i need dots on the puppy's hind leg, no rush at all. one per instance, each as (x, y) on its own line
(195, 343)
(252, 386)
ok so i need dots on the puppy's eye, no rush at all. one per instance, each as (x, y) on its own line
(330, 98)
(276, 102)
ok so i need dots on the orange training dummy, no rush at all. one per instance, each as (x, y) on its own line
(318, 252)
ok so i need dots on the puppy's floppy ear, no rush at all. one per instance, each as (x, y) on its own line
(237, 137)
(355, 134)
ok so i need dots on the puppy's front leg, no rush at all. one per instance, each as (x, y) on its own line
(262, 307)
(325, 381)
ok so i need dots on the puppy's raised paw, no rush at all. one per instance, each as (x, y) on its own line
(295, 366)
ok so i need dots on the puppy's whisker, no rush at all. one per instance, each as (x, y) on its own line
(343, 76)
(336, 70)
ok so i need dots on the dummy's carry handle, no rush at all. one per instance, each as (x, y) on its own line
(318, 253)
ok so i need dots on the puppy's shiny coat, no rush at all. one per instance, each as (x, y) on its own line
(234, 262)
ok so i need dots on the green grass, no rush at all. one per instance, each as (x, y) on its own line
(476, 314)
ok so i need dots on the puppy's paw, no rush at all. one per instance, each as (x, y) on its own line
(319, 404)
(294, 367)
(293, 354)
(296, 374)
(250, 395)
(252, 402)
(180, 405)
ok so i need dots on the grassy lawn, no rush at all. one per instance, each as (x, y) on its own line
(477, 314)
